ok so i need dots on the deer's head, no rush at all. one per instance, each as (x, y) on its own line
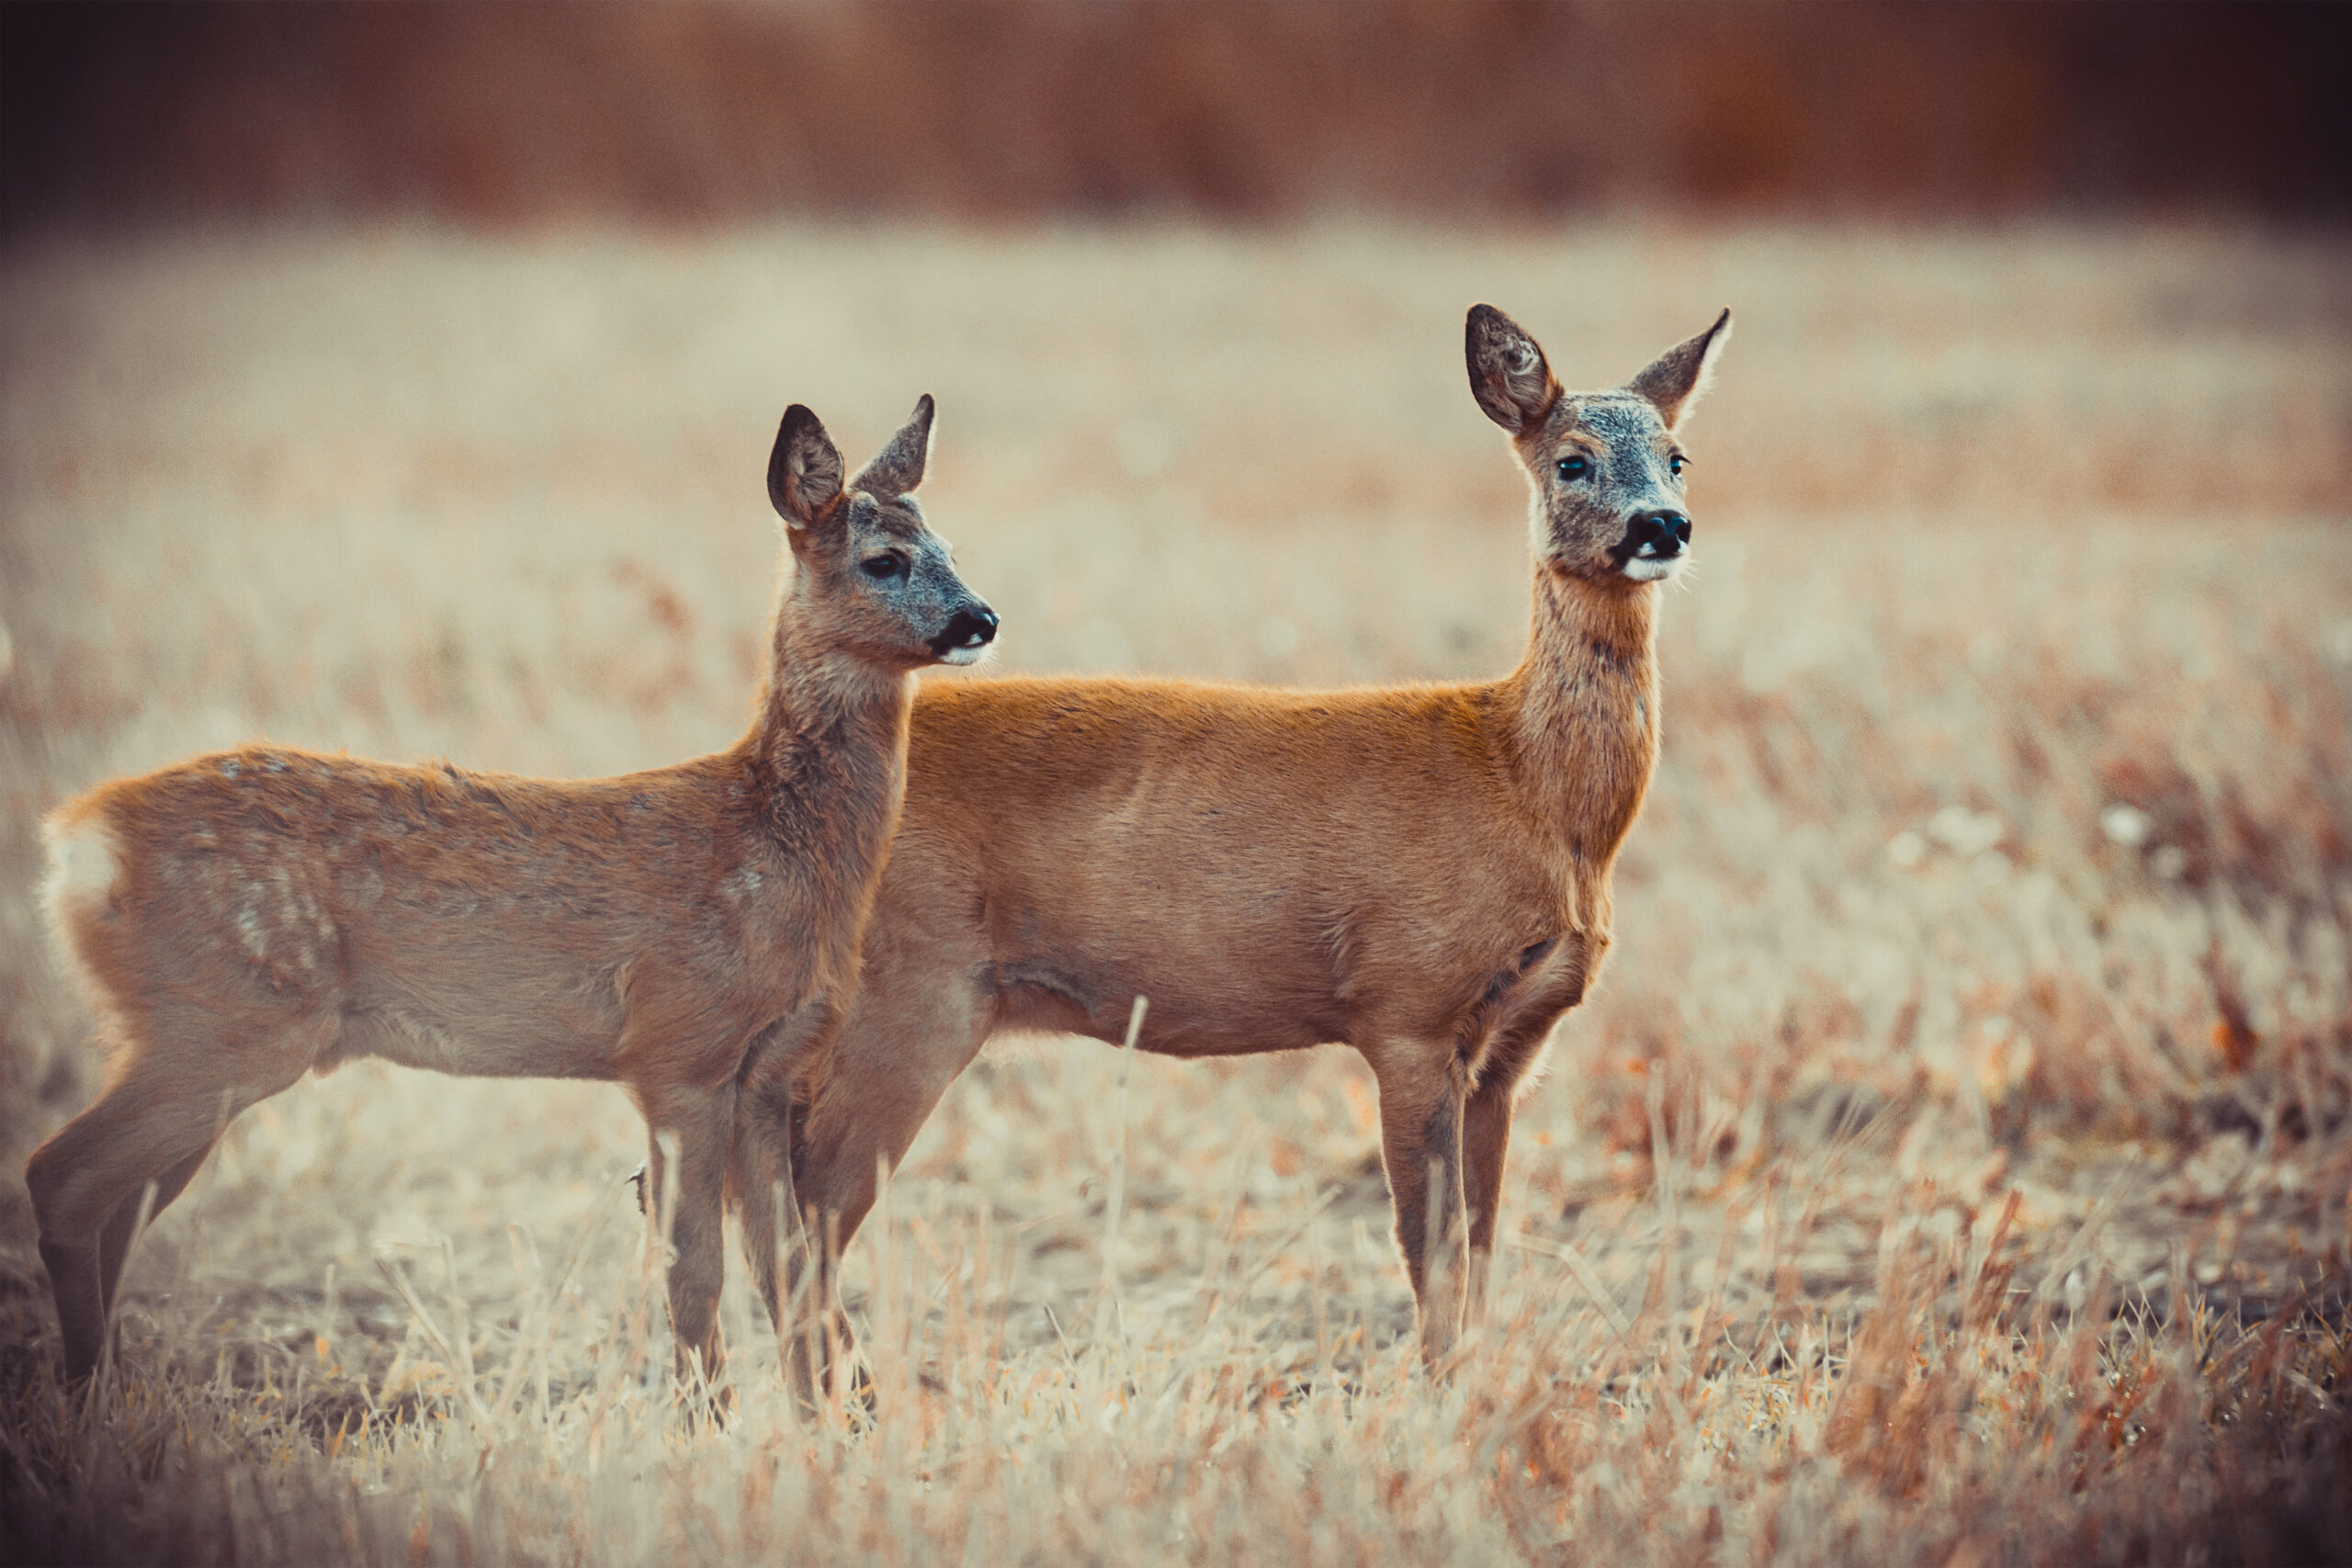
(1606, 467)
(884, 584)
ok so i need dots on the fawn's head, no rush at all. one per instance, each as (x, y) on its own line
(1606, 467)
(885, 583)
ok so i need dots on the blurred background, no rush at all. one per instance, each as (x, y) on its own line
(1017, 110)
(400, 377)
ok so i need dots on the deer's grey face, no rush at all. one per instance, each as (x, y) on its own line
(884, 581)
(1609, 488)
(1606, 467)
(898, 579)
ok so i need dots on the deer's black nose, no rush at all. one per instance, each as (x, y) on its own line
(1657, 535)
(973, 627)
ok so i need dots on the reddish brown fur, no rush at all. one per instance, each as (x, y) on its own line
(247, 917)
(1421, 872)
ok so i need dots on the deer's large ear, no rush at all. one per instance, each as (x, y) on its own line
(805, 470)
(1679, 379)
(898, 467)
(1508, 372)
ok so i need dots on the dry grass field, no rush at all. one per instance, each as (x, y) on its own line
(1954, 1165)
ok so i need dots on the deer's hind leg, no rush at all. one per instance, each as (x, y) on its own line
(156, 1122)
(114, 1242)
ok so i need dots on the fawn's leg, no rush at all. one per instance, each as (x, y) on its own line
(156, 1122)
(114, 1243)
(776, 1081)
(1421, 1144)
(702, 1121)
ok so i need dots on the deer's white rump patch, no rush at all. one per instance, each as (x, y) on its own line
(84, 863)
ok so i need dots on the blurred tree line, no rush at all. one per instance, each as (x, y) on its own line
(1236, 109)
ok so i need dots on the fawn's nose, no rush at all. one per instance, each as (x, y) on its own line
(973, 627)
(1658, 536)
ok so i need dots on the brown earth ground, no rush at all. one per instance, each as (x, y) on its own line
(1952, 1167)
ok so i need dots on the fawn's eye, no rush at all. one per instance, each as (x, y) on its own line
(1674, 465)
(1574, 468)
(884, 567)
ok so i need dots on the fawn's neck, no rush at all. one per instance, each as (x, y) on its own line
(1583, 708)
(827, 752)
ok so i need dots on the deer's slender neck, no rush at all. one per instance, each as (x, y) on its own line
(827, 747)
(1584, 709)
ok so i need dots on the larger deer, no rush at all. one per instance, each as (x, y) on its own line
(245, 918)
(1420, 872)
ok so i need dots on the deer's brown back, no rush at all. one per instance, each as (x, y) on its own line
(474, 922)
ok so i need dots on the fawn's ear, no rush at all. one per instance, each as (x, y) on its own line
(898, 467)
(1679, 379)
(1508, 374)
(805, 470)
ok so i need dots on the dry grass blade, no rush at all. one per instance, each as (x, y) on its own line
(1114, 1204)
(398, 1278)
(1594, 1286)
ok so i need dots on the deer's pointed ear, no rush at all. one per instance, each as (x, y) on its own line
(899, 467)
(1674, 383)
(805, 470)
(1508, 372)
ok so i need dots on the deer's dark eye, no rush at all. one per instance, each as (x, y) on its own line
(1674, 465)
(1574, 468)
(883, 567)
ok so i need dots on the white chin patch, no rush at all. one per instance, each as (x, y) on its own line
(1651, 570)
(965, 655)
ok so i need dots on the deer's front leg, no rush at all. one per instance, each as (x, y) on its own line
(701, 1124)
(1485, 1136)
(1422, 1097)
(776, 1084)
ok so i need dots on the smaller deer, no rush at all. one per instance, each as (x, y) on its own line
(245, 917)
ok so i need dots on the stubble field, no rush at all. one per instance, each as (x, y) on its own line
(1953, 1165)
